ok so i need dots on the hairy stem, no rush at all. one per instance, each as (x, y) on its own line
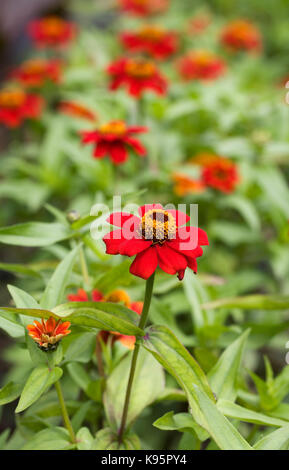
(64, 412)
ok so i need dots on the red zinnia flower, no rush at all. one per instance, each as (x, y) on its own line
(115, 296)
(201, 65)
(16, 105)
(158, 238)
(152, 40)
(221, 174)
(76, 110)
(241, 35)
(186, 185)
(143, 7)
(51, 31)
(35, 72)
(48, 333)
(114, 139)
(137, 75)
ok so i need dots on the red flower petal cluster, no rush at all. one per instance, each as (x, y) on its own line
(144, 7)
(114, 139)
(35, 72)
(115, 296)
(16, 105)
(76, 110)
(241, 35)
(158, 237)
(201, 65)
(51, 31)
(48, 333)
(221, 174)
(152, 40)
(184, 185)
(137, 75)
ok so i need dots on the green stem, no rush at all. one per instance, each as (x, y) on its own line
(84, 267)
(64, 412)
(141, 325)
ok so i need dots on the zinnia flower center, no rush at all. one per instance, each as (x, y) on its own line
(12, 98)
(202, 58)
(118, 296)
(52, 26)
(114, 127)
(153, 33)
(34, 66)
(140, 68)
(157, 225)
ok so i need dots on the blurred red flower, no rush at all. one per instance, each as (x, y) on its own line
(51, 31)
(143, 7)
(158, 238)
(16, 105)
(152, 40)
(35, 72)
(241, 35)
(221, 174)
(114, 139)
(201, 65)
(76, 110)
(138, 75)
(186, 185)
(48, 333)
(116, 296)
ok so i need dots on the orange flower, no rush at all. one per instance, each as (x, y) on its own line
(16, 105)
(76, 110)
(143, 7)
(48, 333)
(51, 31)
(201, 65)
(35, 72)
(204, 158)
(241, 35)
(186, 185)
(221, 174)
(152, 40)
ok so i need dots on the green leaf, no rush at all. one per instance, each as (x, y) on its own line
(84, 439)
(34, 234)
(147, 386)
(11, 325)
(55, 288)
(49, 439)
(251, 302)
(190, 285)
(19, 269)
(10, 392)
(276, 440)
(231, 410)
(21, 298)
(116, 276)
(165, 347)
(182, 422)
(38, 382)
(106, 439)
(223, 376)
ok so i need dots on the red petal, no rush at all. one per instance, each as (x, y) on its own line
(119, 218)
(145, 263)
(134, 246)
(118, 153)
(96, 295)
(170, 261)
(137, 129)
(113, 240)
(136, 145)
(101, 149)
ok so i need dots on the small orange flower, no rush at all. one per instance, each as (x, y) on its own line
(241, 35)
(201, 65)
(118, 296)
(204, 158)
(35, 72)
(221, 174)
(151, 39)
(185, 185)
(143, 7)
(16, 105)
(77, 110)
(48, 333)
(51, 31)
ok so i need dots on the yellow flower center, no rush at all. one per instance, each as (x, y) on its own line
(52, 26)
(140, 68)
(118, 296)
(12, 98)
(153, 33)
(202, 57)
(157, 225)
(114, 127)
(34, 66)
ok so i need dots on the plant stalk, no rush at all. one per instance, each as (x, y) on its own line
(84, 267)
(64, 412)
(141, 325)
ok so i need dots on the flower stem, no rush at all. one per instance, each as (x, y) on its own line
(64, 412)
(84, 267)
(142, 323)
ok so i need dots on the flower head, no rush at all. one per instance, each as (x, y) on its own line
(153, 40)
(159, 237)
(76, 110)
(186, 185)
(48, 333)
(221, 174)
(114, 139)
(16, 105)
(137, 75)
(201, 65)
(241, 35)
(51, 31)
(143, 7)
(35, 72)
